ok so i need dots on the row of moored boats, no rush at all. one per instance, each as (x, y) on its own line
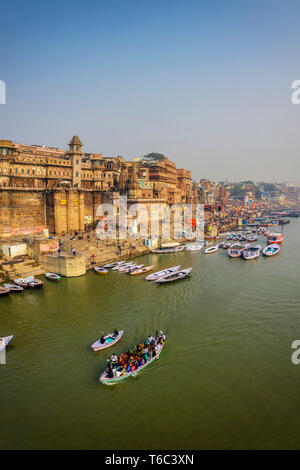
(164, 276)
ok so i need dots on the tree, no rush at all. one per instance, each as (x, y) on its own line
(269, 187)
(154, 157)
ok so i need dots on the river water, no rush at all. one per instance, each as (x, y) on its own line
(224, 380)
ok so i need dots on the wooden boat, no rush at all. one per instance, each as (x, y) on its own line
(4, 292)
(211, 249)
(274, 238)
(22, 283)
(220, 245)
(13, 261)
(162, 250)
(271, 250)
(13, 287)
(177, 276)
(226, 246)
(28, 282)
(110, 381)
(142, 270)
(100, 270)
(123, 267)
(4, 341)
(194, 247)
(110, 340)
(252, 252)
(236, 250)
(53, 277)
(164, 272)
(131, 270)
(113, 265)
(252, 239)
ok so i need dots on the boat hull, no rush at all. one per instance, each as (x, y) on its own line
(98, 346)
(114, 380)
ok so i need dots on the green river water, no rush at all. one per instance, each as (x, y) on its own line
(224, 380)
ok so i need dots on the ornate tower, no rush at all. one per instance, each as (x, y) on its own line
(134, 185)
(75, 154)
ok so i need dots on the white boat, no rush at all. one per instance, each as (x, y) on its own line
(271, 250)
(4, 341)
(163, 250)
(164, 272)
(29, 281)
(252, 239)
(13, 287)
(226, 246)
(4, 292)
(252, 252)
(196, 248)
(126, 266)
(122, 266)
(113, 265)
(235, 250)
(109, 340)
(220, 245)
(174, 276)
(100, 270)
(133, 269)
(141, 271)
(211, 249)
(53, 276)
(246, 246)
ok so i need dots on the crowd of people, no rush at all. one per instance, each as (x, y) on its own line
(135, 357)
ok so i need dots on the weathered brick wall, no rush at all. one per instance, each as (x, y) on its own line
(21, 211)
(31, 211)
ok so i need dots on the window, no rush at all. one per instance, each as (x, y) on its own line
(77, 174)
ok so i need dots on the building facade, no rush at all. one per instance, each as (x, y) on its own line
(43, 187)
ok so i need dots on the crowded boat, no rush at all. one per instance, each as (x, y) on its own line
(134, 359)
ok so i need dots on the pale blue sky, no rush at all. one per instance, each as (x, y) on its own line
(207, 83)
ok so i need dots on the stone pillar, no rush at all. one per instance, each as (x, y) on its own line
(72, 210)
(60, 211)
(81, 210)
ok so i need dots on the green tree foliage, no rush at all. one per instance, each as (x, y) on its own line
(154, 157)
(269, 187)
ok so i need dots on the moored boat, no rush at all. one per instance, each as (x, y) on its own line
(252, 252)
(177, 276)
(164, 272)
(53, 277)
(197, 247)
(142, 270)
(13, 287)
(100, 270)
(211, 249)
(134, 268)
(275, 238)
(113, 265)
(28, 282)
(110, 340)
(271, 250)
(124, 267)
(163, 250)
(236, 250)
(4, 292)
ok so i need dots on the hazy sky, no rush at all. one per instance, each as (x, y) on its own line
(207, 83)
